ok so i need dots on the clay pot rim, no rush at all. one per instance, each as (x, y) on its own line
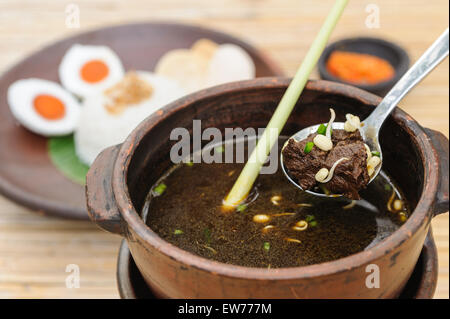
(420, 217)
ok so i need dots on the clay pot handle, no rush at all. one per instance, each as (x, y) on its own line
(440, 143)
(101, 204)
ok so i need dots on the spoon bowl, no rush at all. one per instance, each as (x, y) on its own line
(372, 124)
(370, 140)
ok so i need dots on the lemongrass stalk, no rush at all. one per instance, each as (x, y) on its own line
(251, 170)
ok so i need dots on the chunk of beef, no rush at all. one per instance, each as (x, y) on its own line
(349, 176)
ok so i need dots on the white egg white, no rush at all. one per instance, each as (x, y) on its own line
(21, 95)
(99, 129)
(76, 57)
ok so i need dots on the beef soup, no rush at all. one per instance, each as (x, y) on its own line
(119, 181)
(279, 225)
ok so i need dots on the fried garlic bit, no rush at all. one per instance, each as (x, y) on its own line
(131, 90)
(352, 124)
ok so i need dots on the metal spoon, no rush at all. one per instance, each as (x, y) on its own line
(373, 123)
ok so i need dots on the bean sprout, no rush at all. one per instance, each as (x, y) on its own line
(350, 205)
(275, 199)
(389, 203)
(352, 124)
(372, 163)
(210, 249)
(283, 214)
(300, 225)
(398, 204)
(305, 205)
(368, 151)
(325, 190)
(330, 123)
(261, 218)
(292, 240)
(402, 216)
(321, 175)
(265, 229)
(330, 174)
(323, 142)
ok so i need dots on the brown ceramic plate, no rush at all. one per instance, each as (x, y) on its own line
(27, 176)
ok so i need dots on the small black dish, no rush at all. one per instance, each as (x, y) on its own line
(421, 284)
(386, 50)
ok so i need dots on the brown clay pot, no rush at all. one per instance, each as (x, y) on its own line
(120, 178)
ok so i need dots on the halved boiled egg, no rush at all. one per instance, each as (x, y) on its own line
(43, 107)
(89, 69)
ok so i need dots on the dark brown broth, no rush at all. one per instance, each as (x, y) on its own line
(191, 204)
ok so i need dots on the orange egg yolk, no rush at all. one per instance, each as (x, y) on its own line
(94, 71)
(49, 107)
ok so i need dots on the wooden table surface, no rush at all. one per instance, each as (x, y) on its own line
(35, 250)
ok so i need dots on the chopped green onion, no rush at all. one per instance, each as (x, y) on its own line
(309, 218)
(387, 187)
(313, 223)
(266, 246)
(158, 190)
(207, 233)
(241, 207)
(177, 232)
(375, 153)
(189, 163)
(308, 147)
(322, 129)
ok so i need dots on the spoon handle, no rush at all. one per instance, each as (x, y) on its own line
(427, 62)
